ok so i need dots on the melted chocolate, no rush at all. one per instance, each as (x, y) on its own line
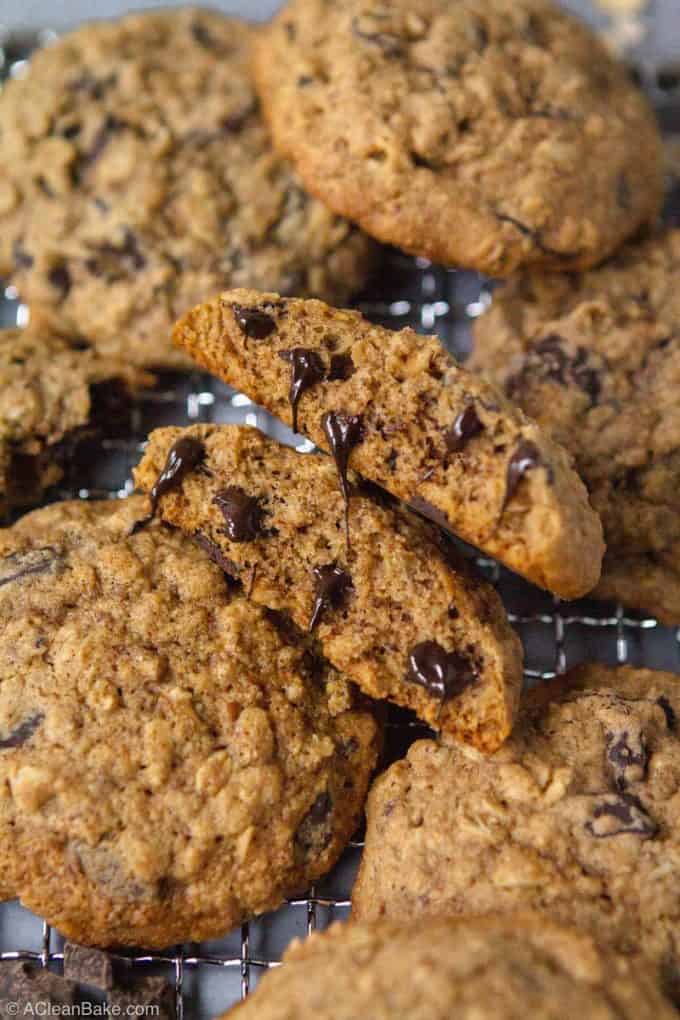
(255, 323)
(60, 278)
(344, 432)
(627, 756)
(331, 584)
(230, 569)
(667, 709)
(443, 674)
(341, 367)
(34, 561)
(23, 733)
(466, 425)
(242, 514)
(184, 455)
(525, 458)
(621, 814)
(306, 370)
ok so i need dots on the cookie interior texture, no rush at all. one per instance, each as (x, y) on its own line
(137, 177)
(575, 816)
(172, 759)
(595, 359)
(51, 395)
(398, 612)
(486, 135)
(429, 432)
(507, 968)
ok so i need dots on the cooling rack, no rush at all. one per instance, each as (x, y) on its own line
(210, 977)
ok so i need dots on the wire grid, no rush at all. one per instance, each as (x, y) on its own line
(211, 976)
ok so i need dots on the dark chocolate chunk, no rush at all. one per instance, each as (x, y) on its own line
(525, 458)
(343, 432)
(255, 323)
(627, 755)
(331, 585)
(60, 278)
(341, 367)
(549, 360)
(31, 990)
(110, 126)
(443, 674)
(23, 733)
(619, 814)
(668, 710)
(466, 425)
(184, 455)
(88, 966)
(151, 996)
(242, 514)
(22, 259)
(314, 831)
(217, 556)
(113, 260)
(33, 561)
(306, 369)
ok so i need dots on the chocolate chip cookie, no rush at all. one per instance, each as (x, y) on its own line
(427, 431)
(172, 758)
(392, 605)
(52, 395)
(482, 134)
(496, 968)
(137, 177)
(595, 359)
(576, 816)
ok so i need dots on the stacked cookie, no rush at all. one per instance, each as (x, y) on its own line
(189, 682)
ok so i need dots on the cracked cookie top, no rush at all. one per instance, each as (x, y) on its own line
(576, 816)
(486, 135)
(508, 968)
(173, 759)
(594, 358)
(137, 177)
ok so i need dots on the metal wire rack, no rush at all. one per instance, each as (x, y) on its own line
(211, 976)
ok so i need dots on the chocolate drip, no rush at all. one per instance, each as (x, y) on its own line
(343, 432)
(255, 323)
(23, 733)
(443, 674)
(331, 584)
(242, 514)
(466, 425)
(184, 455)
(525, 457)
(307, 369)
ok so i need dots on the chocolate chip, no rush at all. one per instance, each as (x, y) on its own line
(217, 556)
(343, 432)
(619, 814)
(668, 710)
(22, 259)
(236, 121)
(112, 260)
(466, 425)
(60, 278)
(307, 369)
(18, 565)
(331, 585)
(314, 831)
(525, 458)
(255, 323)
(549, 360)
(110, 126)
(443, 674)
(242, 513)
(341, 367)
(203, 37)
(183, 457)
(23, 733)
(627, 755)
(88, 966)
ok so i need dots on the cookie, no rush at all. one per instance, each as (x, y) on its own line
(171, 760)
(392, 606)
(576, 816)
(492, 968)
(431, 433)
(489, 135)
(594, 358)
(137, 178)
(52, 395)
